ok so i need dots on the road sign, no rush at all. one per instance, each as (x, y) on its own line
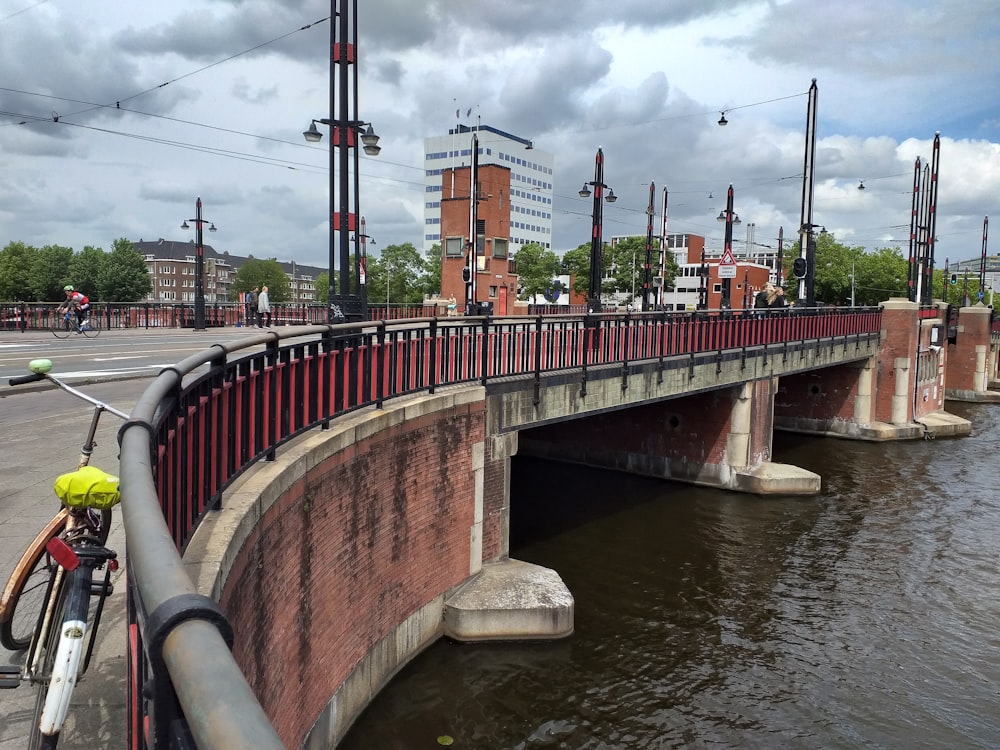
(727, 266)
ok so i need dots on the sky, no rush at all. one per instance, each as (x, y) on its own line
(115, 116)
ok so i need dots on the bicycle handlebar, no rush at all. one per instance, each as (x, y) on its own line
(22, 379)
(40, 371)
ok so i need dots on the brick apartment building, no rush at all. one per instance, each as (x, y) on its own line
(171, 266)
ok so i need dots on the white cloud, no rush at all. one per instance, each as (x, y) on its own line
(644, 84)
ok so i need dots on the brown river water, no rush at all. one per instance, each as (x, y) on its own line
(864, 617)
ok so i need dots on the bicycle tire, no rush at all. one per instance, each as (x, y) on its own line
(92, 327)
(62, 328)
(42, 679)
(24, 595)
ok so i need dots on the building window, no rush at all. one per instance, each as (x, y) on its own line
(453, 247)
(493, 291)
(499, 248)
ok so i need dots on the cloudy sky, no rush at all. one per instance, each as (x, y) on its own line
(116, 115)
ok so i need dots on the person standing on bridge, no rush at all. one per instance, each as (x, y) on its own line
(263, 308)
(771, 296)
(250, 301)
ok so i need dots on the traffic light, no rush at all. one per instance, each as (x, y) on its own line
(954, 278)
(799, 268)
(466, 274)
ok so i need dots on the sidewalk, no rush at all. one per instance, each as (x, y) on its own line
(40, 439)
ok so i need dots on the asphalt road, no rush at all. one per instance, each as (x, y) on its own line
(112, 355)
(41, 432)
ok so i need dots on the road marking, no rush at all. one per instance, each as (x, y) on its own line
(115, 359)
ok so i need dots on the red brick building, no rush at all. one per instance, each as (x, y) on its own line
(495, 277)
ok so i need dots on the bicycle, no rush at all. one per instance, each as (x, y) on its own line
(69, 325)
(46, 606)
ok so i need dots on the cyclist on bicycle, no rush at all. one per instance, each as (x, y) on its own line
(78, 302)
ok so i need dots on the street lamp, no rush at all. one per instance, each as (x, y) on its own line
(730, 218)
(594, 288)
(199, 265)
(345, 127)
(361, 241)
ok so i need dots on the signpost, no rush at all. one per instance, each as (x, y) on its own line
(727, 266)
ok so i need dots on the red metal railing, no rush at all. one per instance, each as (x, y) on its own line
(209, 418)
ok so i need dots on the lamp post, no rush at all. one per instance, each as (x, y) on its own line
(594, 288)
(730, 218)
(361, 241)
(199, 265)
(345, 128)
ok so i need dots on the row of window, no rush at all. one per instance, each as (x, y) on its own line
(454, 247)
(515, 160)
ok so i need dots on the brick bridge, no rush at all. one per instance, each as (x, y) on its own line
(329, 557)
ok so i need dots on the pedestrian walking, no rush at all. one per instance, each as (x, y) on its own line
(250, 300)
(263, 308)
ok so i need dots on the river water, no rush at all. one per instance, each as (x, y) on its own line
(864, 617)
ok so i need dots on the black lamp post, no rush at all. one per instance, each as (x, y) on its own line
(361, 241)
(199, 265)
(730, 218)
(594, 288)
(345, 129)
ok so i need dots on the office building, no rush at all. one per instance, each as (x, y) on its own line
(529, 200)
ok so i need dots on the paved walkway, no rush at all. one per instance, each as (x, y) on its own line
(36, 449)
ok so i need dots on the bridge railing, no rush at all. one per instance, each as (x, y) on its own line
(209, 418)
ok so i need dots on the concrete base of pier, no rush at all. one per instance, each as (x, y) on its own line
(770, 478)
(974, 397)
(510, 600)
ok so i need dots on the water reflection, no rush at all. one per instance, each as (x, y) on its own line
(863, 617)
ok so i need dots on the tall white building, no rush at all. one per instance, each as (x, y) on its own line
(530, 180)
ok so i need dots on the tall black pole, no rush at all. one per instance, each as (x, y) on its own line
(594, 290)
(806, 291)
(982, 261)
(779, 276)
(647, 279)
(932, 218)
(727, 302)
(911, 271)
(199, 270)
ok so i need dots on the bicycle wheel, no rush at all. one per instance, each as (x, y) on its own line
(43, 678)
(62, 328)
(24, 596)
(92, 326)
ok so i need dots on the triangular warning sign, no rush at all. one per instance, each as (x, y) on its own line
(727, 258)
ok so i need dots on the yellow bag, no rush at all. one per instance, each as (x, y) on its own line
(88, 487)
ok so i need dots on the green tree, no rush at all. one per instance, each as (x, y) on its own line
(85, 270)
(16, 261)
(536, 267)
(258, 272)
(123, 276)
(432, 267)
(576, 263)
(50, 272)
(322, 284)
(405, 271)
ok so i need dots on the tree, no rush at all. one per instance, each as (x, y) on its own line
(85, 269)
(432, 267)
(123, 276)
(576, 263)
(536, 268)
(403, 270)
(323, 287)
(16, 261)
(257, 272)
(50, 272)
